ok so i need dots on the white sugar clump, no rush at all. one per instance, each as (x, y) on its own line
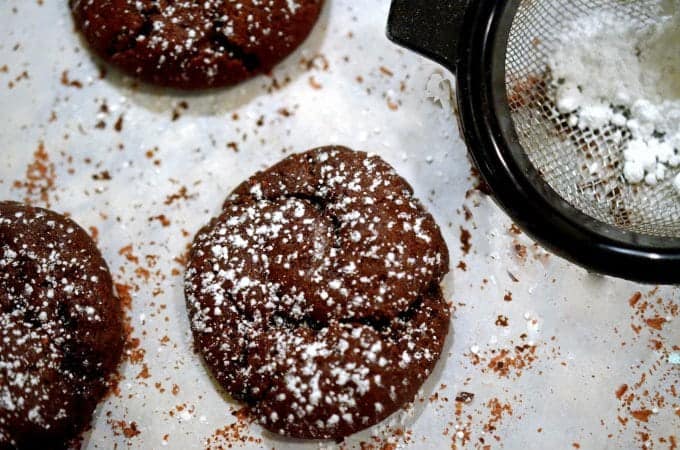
(612, 71)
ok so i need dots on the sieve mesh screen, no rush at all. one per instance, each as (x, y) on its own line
(564, 155)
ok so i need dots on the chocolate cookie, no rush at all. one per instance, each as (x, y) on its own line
(314, 297)
(193, 44)
(60, 328)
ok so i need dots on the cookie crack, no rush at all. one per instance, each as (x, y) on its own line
(280, 320)
(126, 39)
(318, 202)
(321, 205)
(389, 330)
(221, 43)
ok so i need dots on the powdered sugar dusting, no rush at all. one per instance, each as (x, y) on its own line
(202, 43)
(326, 296)
(53, 298)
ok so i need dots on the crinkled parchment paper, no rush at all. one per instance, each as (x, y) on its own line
(541, 354)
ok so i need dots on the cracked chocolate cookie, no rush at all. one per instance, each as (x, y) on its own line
(193, 44)
(60, 328)
(314, 296)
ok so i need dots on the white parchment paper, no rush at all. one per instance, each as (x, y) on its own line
(554, 357)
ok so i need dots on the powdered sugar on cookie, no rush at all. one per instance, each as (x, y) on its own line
(60, 327)
(189, 44)
(317, 289)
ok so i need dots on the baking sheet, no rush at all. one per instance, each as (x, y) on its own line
(541, 354)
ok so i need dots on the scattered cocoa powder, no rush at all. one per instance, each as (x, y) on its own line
(465, 237)
(641, 414)
(621, 390)
(39, 179)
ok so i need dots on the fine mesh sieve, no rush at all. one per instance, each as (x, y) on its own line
(563, 185)
(585, 167)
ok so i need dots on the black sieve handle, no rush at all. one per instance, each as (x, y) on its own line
(429, 27)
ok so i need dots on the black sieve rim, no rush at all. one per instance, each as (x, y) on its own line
(471, 41)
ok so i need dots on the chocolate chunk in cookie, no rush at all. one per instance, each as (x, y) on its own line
(192, 44)
(314, 296)
(60, 327)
